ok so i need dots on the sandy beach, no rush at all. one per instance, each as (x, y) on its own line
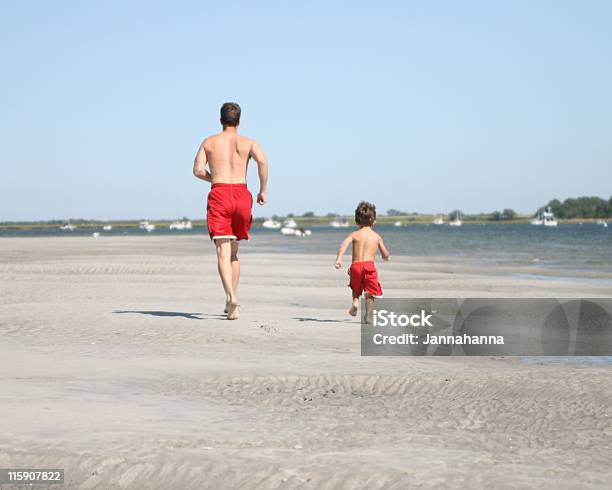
(118, 366)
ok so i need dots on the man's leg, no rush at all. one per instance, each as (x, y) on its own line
(224, 264)
(235, 269)
(235, 266)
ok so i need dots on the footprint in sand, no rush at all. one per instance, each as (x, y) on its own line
(268, 328)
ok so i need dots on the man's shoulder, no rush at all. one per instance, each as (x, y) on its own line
(206, 142)
(210, 141)
(245, 140)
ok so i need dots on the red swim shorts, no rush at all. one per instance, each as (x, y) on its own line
(228, 211)
(364, 277)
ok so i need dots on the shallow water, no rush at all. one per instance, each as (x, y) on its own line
(572, 247)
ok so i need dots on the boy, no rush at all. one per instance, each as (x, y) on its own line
(362, 272)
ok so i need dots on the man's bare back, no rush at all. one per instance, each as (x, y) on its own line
(227, 155)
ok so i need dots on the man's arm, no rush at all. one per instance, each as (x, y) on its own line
(384, 253)
(199, 165)
(342, 250)
(258, 155)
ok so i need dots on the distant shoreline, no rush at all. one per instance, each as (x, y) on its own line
(302, 222)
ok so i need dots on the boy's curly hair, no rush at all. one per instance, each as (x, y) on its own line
(365, 214)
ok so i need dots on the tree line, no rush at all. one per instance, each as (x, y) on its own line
(586, 207)
(580, 207)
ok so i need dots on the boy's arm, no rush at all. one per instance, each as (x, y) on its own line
(262, 169)
(384, 253)
(199, 165)
(343, 246)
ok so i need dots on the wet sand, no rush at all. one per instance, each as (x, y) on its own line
(118, 366)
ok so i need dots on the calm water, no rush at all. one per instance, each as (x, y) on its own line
(585, 247)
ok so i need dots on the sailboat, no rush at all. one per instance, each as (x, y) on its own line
(439, 219)
(457, 221)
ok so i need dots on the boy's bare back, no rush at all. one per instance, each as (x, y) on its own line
(365, 243)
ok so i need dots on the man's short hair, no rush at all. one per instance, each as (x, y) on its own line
(230, 114)
(365, 214)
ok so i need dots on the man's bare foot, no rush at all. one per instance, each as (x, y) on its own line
(225, 310)
(353, 311)
(232, 310)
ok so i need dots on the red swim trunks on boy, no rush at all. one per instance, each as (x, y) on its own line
(228, 211)
(364, 277)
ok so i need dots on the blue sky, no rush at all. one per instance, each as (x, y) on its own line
(412, 105)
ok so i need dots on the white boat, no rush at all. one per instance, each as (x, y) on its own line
(108, 228)
(145, 225)
(289, 223)
(549, 218)
(537, 221)
(181, 225)
(439, 219)
(339, 224)
(271, 224)
(602, 222)
(457, 221)
(295, 231)
(68, 227)
(95, 234)
(397, 223)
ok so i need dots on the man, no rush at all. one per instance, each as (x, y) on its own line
(229, 201)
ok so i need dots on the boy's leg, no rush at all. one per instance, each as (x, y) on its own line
(369, 306)
(354, 307)
(224, 265)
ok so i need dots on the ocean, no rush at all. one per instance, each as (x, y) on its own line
(568, 247)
